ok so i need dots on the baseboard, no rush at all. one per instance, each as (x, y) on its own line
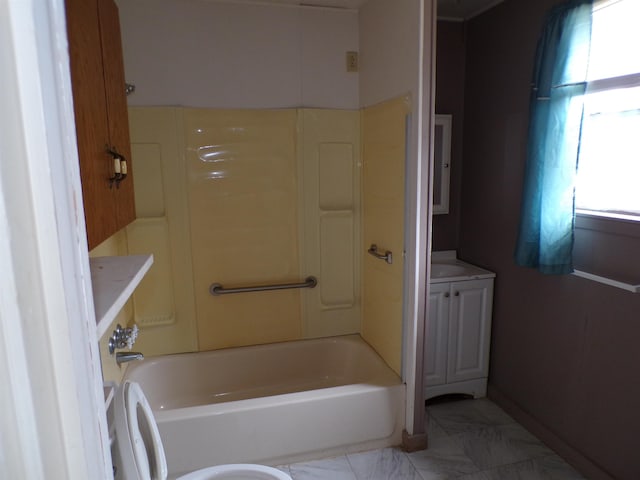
(581, 463)
(415, 442)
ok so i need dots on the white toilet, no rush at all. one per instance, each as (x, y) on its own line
(137, 448)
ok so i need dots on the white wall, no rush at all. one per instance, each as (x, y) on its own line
(209, 54)
(389, 50)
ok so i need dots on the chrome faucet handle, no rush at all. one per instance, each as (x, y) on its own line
(115, 339)
(122, 338)
(134, 332)
(132, 335)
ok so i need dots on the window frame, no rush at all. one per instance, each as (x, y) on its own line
(606, 242)
(618, 82)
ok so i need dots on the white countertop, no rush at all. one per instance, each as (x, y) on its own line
(445, 267)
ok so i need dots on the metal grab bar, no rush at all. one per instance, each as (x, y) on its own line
(387, 257)
(217, 289)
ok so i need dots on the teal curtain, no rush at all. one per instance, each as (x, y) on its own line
(545, 239)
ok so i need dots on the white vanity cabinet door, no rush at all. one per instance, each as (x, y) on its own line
(469, 330)
(436, 335)
(457, 338)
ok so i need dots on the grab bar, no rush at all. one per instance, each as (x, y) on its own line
(387, 257)
(217, 289)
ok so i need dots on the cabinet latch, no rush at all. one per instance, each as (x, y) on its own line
(119, 167)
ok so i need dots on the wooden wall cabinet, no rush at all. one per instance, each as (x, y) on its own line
(100, 106)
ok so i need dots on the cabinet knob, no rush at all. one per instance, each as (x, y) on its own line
(457, 294)
(446, 294)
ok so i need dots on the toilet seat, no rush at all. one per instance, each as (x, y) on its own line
(139, 454)
(237, 472)
(139, 443)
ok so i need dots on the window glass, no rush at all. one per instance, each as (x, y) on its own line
(608, 178)
(615, 37)
(609, 165)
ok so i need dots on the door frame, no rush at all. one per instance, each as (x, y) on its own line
(418, 231)
(52, 414)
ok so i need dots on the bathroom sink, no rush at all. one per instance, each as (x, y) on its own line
(446, 267)
(440, 270)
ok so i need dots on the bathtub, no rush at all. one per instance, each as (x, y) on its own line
(273, 404)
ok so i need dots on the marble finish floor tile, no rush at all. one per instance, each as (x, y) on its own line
(492, 411)
(467, 415)
(337, 468)
(433, 428)
(556, 468)
(388, 463)
(501, 445)
(285, 469)
(468, 440)
(551, 467)
(444, 459)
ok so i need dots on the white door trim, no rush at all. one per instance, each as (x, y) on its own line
(418, 231)
(52, 418)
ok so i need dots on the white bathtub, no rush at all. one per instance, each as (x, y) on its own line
(273, 404)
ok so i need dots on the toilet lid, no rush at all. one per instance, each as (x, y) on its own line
(142, 438)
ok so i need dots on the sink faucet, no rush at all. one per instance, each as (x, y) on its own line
(124, 357)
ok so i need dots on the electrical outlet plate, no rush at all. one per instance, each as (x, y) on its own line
(352, 61)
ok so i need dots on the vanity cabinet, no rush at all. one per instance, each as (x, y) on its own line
(458, 333)
(100, 107)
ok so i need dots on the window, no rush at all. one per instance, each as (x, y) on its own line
(608, 180)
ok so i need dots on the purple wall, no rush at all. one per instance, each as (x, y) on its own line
(565, 351)
(450, 58)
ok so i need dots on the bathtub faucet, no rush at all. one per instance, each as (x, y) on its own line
(122, 338)
(124, 357)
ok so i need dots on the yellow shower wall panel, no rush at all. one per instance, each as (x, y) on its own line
(163, 303)
(336, 170)
(383, 157)
(242, 190)
(336, 236)
(335, 185)
(329, 159)
(153, 299)
(149, 191)
(149, 233)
